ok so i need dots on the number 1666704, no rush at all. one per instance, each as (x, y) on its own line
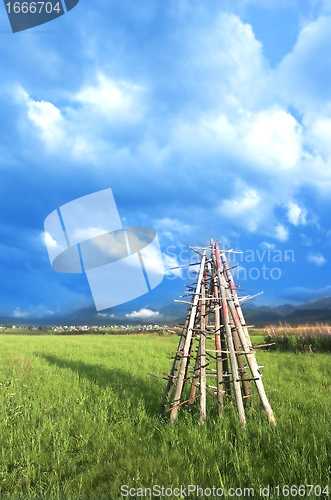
(32, 7)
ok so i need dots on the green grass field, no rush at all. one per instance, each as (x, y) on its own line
(78, 417)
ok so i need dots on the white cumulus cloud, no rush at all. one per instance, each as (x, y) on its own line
(281, 233)
(111, 98)
(296, 215)
(273, 138)
(244, 206)
(316, 258)
(144, 313)
(267, 246)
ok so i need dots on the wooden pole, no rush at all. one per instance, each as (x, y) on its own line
(246, 342)
(175, 365)
(219, 361)
(210, 298)
(223, 356)
(196, 371)
(187, 344)
(229, 339)
(236, 340)
(203, 358)
(241, 362)
(196, 374)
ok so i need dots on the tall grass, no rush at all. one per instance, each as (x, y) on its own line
(78, 419)
(303, 338)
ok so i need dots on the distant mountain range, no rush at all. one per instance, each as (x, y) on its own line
(316, 310)
(118, 315)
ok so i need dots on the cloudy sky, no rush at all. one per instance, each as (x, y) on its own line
(207, 119)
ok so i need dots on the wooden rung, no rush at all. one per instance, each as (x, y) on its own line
(183, 402)
(197, 337)
(223, 382)
(184, 302)
(168, 375)
(264, 345)
(157, 376)
(182, 354)
(209, 354)
(197, 356)
(227, 352)
(203, 332)
(206, 298)
(210, 386)
(249, 379)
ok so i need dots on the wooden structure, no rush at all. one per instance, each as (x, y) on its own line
(215, 353)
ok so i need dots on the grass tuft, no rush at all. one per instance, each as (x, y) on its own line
(302, 338)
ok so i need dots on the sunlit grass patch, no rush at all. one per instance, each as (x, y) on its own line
(84, 421)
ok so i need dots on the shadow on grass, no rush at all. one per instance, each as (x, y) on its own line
(121, 382)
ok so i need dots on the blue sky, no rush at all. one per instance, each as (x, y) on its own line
(207, 120)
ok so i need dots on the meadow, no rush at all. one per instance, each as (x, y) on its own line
(79, 419)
